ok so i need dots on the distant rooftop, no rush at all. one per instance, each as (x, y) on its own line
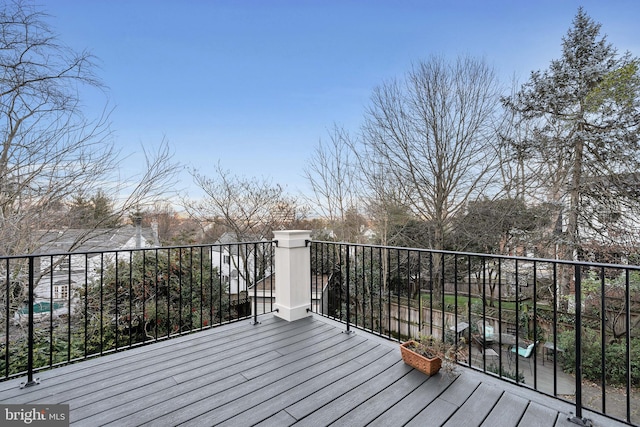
(101, 239)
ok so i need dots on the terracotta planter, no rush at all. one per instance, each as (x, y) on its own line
(418, 361)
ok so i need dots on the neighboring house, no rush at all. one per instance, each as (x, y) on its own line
(369, 235)
(235, 262)
(59, 285)
(227, 258)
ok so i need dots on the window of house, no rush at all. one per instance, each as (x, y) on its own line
(61, 291)
(226, 259)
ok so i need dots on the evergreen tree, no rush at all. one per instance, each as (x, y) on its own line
(584, 111)
(96, 211)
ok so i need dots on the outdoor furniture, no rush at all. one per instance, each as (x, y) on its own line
(548, 350)
(509, 340)
(490, 353)
(459, 329)
(524, 353)
(487, 334)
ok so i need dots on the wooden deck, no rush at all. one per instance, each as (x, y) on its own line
(303, 373)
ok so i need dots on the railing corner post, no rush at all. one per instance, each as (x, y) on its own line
(292, 267)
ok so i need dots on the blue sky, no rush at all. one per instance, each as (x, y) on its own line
(256, 84)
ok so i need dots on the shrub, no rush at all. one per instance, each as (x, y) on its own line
(615, 358)
(506, 373)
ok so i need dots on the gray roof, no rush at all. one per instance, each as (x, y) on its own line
(88, 240)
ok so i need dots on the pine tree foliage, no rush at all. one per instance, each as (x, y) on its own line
(584, 113)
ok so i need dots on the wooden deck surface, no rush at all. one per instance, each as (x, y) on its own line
(303, 373)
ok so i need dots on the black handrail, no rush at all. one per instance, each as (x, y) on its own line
(64, 307)
(373, 288)
(152, 294)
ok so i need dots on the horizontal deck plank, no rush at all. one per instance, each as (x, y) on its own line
(325, 395)
(507, 412)
(282, 380)
(436, 413)
(413, 403)
(476, 408)
(372, 408)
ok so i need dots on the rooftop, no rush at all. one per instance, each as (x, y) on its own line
(305, 372)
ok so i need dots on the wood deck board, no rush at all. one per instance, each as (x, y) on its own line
(301, 373)
(476, 408)
(538, 416)
(210, 409)
(411, 404)
(461, 389)
(201, 398)
(281, 419)
(370, 409)
(277, 397)
(326, 395)
(287, 380)
(268, 404)
(302, 390)
(436, 413)
(101, 370)
(143, 371)
(350, 400)
(507, 412)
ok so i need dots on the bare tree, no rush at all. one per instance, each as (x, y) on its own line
(47, 145)
(429, 137)
(171, 228)
(249, 208)
(386, 203)
(50, 151)
(332, 175)
(431, 133)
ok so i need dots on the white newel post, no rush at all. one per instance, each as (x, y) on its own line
(293, 274)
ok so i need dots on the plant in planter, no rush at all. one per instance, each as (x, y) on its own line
(428, 355)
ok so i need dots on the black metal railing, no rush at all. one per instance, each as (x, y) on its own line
(495, 308)
(61, 308)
